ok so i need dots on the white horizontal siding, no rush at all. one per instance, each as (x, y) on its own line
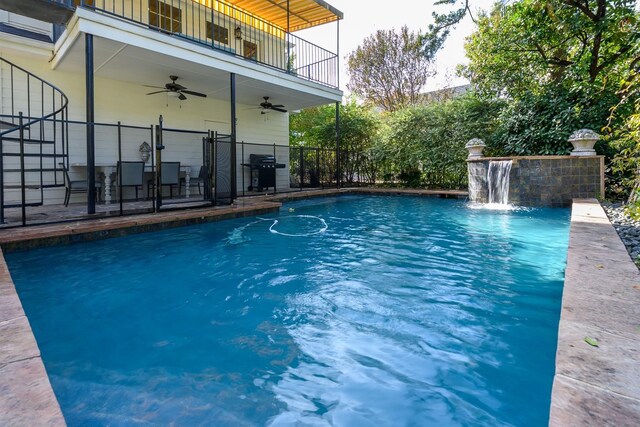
(121, 101)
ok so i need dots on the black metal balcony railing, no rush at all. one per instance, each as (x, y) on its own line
(223, 27)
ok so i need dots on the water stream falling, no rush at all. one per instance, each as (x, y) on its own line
(498, 181)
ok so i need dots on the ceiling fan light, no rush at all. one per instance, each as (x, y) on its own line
(173, 94)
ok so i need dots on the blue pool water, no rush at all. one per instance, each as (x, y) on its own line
(389, 311)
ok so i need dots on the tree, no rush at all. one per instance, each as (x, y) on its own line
(526, 45)
(316, 127)
(560, 64)
(389, 69)
(438, 32)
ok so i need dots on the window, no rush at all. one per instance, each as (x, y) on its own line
(165, 16)
(80, 3)
(217, 33)
(250, 50)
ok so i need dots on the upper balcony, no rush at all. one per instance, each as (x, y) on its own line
(260, 31)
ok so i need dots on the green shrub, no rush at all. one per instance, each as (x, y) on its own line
(424, 145)
(541, 124)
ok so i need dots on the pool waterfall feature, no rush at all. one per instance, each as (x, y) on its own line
(536, 181)
(498, 181)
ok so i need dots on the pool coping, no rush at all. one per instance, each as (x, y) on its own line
(601, 300)
(101, 228)
(592, 386)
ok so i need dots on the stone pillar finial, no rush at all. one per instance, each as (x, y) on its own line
(583, 141)
(475, 147)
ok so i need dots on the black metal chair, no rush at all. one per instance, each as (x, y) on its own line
(199, 180)
(130, 174)
(78, 186)
(170, 176)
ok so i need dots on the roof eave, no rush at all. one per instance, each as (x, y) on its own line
(333, 10)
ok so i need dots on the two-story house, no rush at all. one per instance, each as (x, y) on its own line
(232, 70)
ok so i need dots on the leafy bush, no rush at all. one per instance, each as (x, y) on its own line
(424, 145)
(624, 169)
(541, 124)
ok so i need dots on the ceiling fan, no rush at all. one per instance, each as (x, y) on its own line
(175, 89)
(266, 105)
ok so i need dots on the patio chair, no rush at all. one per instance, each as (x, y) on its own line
(199, 180)
(170, 177)
(132, 175)
(79, 186)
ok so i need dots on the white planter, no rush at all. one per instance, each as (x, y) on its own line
(583, 141)
(145, 151)
(475, 147)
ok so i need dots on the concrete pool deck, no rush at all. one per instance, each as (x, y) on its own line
(592, 386)
(597, 386)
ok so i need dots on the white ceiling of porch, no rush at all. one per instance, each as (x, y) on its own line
(122, 62)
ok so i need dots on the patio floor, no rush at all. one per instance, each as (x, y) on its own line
(45, 214)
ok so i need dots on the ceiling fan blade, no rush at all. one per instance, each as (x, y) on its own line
(277, 106)
(182, 97)
(175, 86)
(154, 87)
(159, 91)
(188, 92)
(282, 110)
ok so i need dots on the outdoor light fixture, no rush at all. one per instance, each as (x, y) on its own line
(238, 33)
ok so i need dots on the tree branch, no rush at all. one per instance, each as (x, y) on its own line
(584, 8)
(613, 58)
(595, 57)
(468, 9)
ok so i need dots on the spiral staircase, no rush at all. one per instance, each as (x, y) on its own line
(34, 141)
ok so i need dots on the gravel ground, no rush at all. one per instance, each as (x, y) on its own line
(628, 229)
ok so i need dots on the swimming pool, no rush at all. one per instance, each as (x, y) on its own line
(347, 311)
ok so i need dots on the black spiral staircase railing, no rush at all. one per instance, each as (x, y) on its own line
(33, 138)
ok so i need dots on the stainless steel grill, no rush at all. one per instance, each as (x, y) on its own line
(263, 171)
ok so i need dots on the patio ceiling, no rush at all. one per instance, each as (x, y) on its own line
(302, 13)
(128, 63)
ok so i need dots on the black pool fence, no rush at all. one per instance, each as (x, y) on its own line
(44, 171)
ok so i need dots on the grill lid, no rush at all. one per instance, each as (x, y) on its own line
(256, 159)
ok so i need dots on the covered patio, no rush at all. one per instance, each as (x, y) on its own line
(110, 76)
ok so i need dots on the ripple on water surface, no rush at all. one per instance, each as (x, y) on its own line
(351, 312)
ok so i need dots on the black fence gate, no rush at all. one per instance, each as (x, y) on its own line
(221, 169)
(312, 167)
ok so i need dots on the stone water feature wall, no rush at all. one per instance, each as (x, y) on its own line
(542, 180)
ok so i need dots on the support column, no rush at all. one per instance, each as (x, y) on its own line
(158, 171)
(234, 161)
(338, 171)
(90, 118)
